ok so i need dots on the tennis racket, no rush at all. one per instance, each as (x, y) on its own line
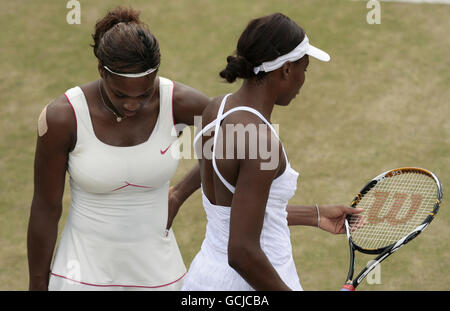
(397, 206)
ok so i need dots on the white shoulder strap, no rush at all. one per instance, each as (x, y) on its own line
(216, 131)
(217, 121)
(77, 100)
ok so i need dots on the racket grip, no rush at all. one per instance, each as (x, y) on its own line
(347, 288)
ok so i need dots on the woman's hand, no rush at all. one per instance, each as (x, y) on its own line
(332, 217)
(174, 206)
(179, 193)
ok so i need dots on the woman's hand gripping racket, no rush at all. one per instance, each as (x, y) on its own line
(398, 205)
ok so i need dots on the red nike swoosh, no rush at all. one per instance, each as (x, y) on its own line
(164, 151)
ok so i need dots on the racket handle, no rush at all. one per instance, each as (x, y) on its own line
(347, 288)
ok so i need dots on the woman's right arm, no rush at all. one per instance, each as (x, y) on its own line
(56, 138)
(245, 254)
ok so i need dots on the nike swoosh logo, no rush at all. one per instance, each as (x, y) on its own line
(165, 150)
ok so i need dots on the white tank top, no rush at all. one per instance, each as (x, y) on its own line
(115, 230)
(209, 269)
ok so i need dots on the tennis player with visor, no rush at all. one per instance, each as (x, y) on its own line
(247, 242)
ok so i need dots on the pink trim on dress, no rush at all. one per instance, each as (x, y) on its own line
(76, 120)
(128, 184)
(113, 285)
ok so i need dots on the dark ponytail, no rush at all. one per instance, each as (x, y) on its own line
(123, 43)
(264, 39)
(237, 66)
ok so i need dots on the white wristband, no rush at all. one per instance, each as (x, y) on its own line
(318, 216)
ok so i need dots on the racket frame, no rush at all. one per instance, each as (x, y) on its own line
(386, 251)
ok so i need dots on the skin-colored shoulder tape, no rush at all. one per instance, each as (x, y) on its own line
(42, 122)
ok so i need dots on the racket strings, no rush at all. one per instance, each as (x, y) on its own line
(392, 209)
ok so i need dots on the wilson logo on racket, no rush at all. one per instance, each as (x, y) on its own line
(392, 216)
(398, 205)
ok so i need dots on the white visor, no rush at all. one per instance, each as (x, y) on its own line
(132, 75)
(304, 48)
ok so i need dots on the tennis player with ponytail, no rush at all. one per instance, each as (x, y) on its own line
(114, 136)
(247, 244)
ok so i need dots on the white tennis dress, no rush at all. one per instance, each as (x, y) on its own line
(114, 238)
(209, 271)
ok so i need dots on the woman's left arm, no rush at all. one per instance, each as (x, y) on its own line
(187, 104)
(181, 191)
(330, 218)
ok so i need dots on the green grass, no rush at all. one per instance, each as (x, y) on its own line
(381, 103)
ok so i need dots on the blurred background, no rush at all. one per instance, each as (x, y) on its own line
(382, 102)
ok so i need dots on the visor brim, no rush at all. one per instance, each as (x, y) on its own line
(318, 53)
